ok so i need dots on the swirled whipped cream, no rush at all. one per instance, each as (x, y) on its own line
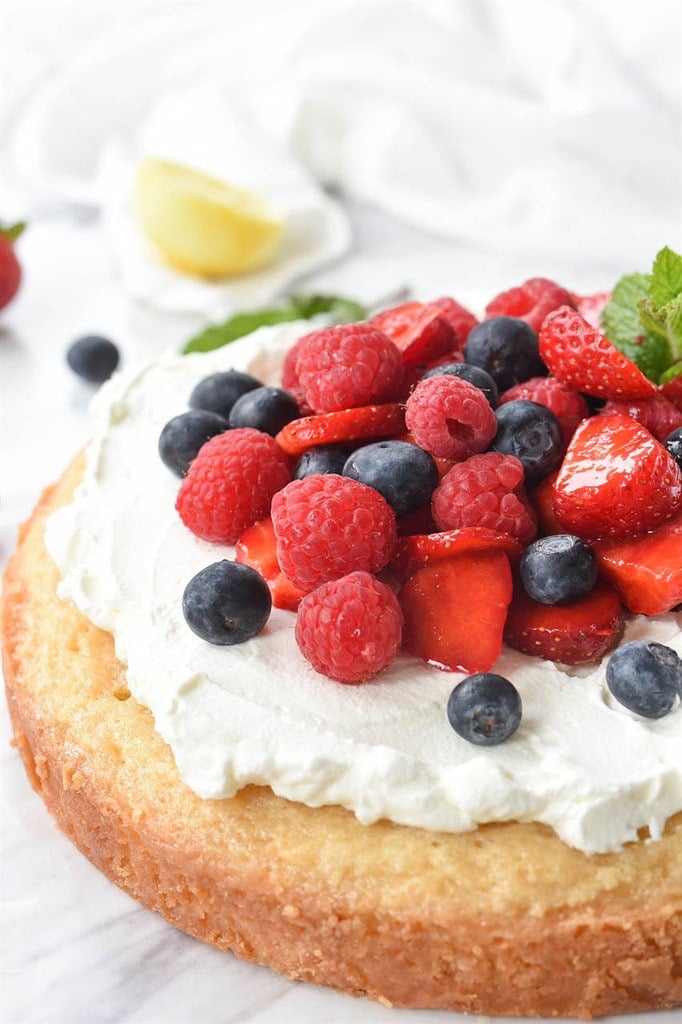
(259, 713)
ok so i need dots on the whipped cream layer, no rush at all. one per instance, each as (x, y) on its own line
(259, 713)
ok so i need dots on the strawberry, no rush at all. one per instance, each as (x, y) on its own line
(420, 332)
(646, 571)
(579, 354)
(455, 610)
(413, 552)
(541, 499)
(672, 390)
(257, 547)
(616, 480)
(656, 413)
(572, 634)
(10, 268)
(459, 318)
(345, 425)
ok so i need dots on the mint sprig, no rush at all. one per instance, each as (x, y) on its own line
(298, 307)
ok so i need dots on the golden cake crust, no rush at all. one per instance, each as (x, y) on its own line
(505, 920)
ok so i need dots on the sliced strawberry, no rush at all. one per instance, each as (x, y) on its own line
(257, 547)
(646, 571)
(459, 318)
(421, 332)
(346, 425)
(541, 499)
(580, 355)
(656, 413)
(455, 610)
(572, 634)
(532, 301)
(672, 390)
(413, 552)
(616, 480)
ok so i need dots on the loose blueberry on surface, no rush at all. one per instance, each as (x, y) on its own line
(324, 458)
(558, 570)
(485, 709)
(673, 443)
(220, 391)
(93, 358)
(474, 374)
(266, 409)
(532, 433)
(183, 436)
(507, 349)
(645, 677)
(403, 473)
(226, 603)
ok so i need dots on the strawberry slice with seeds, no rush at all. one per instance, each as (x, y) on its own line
(345, 425)
(257, 547)
(455, 610)
(572, 634)
(415, 551)
(646, 571)
(420, 332)
(616, 480)
(578, 354)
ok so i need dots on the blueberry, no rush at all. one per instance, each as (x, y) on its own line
(220, 391)
(266, 409)
(405, 474)
(485, 709)
(558, 569)
(645, 677)
(183, 436)
(93, 358)
(531, 433)
(325, 458)
(474, 374)
(673, 443)
(226, 603)
(507, 349)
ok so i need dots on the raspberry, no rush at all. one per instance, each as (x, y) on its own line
(450, 418)
(531, 301)
(459, 318)
(346, 366)
(486, 490)
(567, 404)
(327, 526)
(351, 628)
(657, 414)
(230, 484)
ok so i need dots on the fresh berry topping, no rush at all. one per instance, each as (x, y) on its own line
(230, 484)
(573, 634)
(459, 318)
(590, 306)
(266, 409)
(486, 490)
(327, 458)
(419, 332)
(220, 391)
(656, 413)
(672, 390)
(257, 547)
(485, 709)
(226, 603)
(93, 358)
(645, 677)
(541, 499)
(507, 349)
(567, 404)
(445, 603)
(530, 302)
(413, 552)
(10, 268)
(532, 433)
(473, 374)
(290, 379)
(405, 474)
(183, 436)
(348, 366)
(616, 480)
(673, 444)
(329, 526)
(350, 628)
(450, 418)
(580, 355)
(345, 425)
(558, 569)
(647, 570)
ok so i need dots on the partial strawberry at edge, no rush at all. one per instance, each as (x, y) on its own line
(419, 331)
(257, 547)
(459, 318)
(646, 571)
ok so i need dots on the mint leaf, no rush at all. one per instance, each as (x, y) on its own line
(674, 326)
(666, 277)
(671, 373)
(652, 355)
(620, 318)
(340, 309)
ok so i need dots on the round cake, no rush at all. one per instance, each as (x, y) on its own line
(527, 882)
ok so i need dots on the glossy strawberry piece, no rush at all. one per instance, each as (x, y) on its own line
(455, 610)
(257, 547)
(420, 332)
(418, 550)
(646, 571)
(616, 480)
(541, 499)
(346, 425)
(656, 413)
(573, 634)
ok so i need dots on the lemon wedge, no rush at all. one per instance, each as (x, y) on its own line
(201, 225)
